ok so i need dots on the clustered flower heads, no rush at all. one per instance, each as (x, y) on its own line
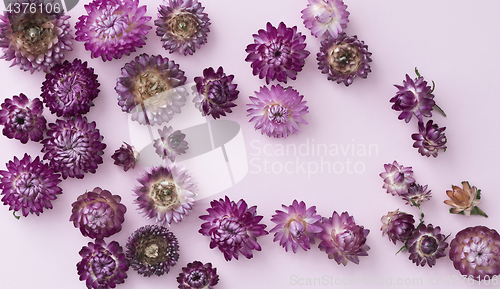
(170, 144)
(464, 200)
(325, 17)
(197, 275)
(126, 156)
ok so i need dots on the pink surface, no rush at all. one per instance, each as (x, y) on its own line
(453, 43)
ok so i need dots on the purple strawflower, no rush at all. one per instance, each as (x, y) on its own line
(416, 195)
(152, 250)
(215, 92)
(475, 252)
(73, 147)
(233, 228)
(151, 89)
(430, 139)
(342, 239)
(344, 58)
(170, 144)
(98, 214)
(22, 118)
(397, 225)
(166, 194)
(325, 16)
(296, 226)
(36, 41)
(277, 53)
(197, 275)
(397, 178)
(413, 98)
(182, 25)
(102, 265)
(426, 244)
(112, 28)
(277, 112)
(70, 88)
(29, 185)
(126, 156)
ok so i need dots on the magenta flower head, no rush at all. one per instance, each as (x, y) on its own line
(103, 265)
(398, 226)
(112, 28)
(166, 193)
(215, 92)
(73, 147)
(430, 139)
(35, 40)
(126, 156)
(182, 25)
(325, 16)
(475, 252)
(22, 118)
(344, 58)
(70, 88)
(197, 275)
(277, 53)
(233, 228)
(152, 250)
(296, 226)
(29, 185)
(171, 143)
(98, 214)
(413, 98)
(342, 239)
(277, 112)
(416, 195)
(397, 179)
(426, 244)
(151, 89)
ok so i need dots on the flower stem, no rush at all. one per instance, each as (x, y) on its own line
(416, 72)
(478, 211)
(15, 216)
(440, 110)
(402, 249)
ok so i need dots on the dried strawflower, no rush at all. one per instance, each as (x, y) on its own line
(126, 156)
(397, 225)
(430, 139)
(197, 275)
(277, 53)
(413, 98)
(416, 195)
(233, 228)
(277, 112)
(426, 244)
(325, 16)
(464, 201)
(397, 179)
(182, 25)
(170, 144)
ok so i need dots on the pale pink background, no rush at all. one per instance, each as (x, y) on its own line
(454, 43)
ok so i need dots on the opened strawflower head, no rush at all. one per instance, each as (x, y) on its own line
(464, 200)
(430, 139)
(426, 244)
(197, 275)
(397, 178)
(328, 17)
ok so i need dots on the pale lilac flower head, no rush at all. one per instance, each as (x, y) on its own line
(325, 16)
(171, 143)
(397, 179)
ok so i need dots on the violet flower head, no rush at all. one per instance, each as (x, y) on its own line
(416, 195)
(215, 92)
(397, 179)
(475, 252)
(152, 250)
(98, 214)
(166, 194)
(426, 244)
(277, 112)
(103, 265)
(151, 89)
(112, 28)
(398, 226)
(35, 40)
(29, 185)
(22, 118)
(344, 58)
(182, 25)
(430, 139)
(413, 98)
(277, 53)
(325, 16)
(73, 147)
(233, 228)
(296, 226)
(126, 156)
(342, 239)
(171, 143)
(197, 275)
(70, 88)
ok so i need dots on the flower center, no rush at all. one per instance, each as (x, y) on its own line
(197, 279)
(216, 92)
(231, 232)
(99, 215)
(277, 53)
(481, 254)
(73, 146)
(183, 25)
(21, 119)
(28, 185)
(324, 15)
(70, 88)
(344, 58)
(33, 33)
(110, 25)
(165, 193)
(278, 114)
(151, 251)
(149, 84)
(428, 245)
(297, 228)
(103, 265)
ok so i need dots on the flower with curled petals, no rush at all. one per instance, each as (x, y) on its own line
(126, 156)
(416, 195)
(426, 244)
(296, 226)
(197, 275)
(464, 200)
(430, 139)
(413, 98)
(325, 16)
(397, 225)
(397, 179)
(171, 143)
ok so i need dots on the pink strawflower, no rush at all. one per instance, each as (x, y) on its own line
(325, 16)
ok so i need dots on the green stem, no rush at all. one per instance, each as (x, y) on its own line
(440, 110)
(15, 216)
(416, 72)
(402, 249)
(478, 211)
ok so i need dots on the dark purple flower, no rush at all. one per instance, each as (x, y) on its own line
(22, 118)
(296, 226)
(233, 228)
(73, 147)
(277, 53)
(29, 186)
(413, 98)
(70, 88)
(344, 58)
(197, 275)
(397, 225)
(426, 244)
(430, 139)
(215, 93)
(325, 16)
(170, 144)
(35, 40)
(152, 250)
(475, 252)
(182, 25)
(113, 28)
(98, 214)
(397, 179)
(103, 265)
(126, 156)
(416, 195)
